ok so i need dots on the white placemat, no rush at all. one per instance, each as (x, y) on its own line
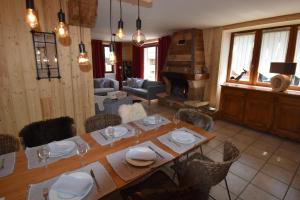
(127, 171)
(7, 164)
(103, 178)
(167, 140)
(147, 127)
(34, 161)
(101, 138)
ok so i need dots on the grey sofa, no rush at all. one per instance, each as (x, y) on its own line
(111, 106)
(143, 88)
(104, 85)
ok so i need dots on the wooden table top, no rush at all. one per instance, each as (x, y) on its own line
(15, 186)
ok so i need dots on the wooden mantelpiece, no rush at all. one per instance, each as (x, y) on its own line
(262, 109)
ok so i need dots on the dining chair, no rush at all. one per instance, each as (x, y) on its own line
(159, 186)
(214, 172)
(130, 113)
(44, 132)
(101, 121)
(196, 118)
(8, 144)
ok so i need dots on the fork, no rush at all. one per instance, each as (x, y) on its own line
(45, 193)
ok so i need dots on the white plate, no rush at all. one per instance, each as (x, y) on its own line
(151, 120)
(139, 163)
(183, 137)
(119, 131)
(66, 145)
(54, 195)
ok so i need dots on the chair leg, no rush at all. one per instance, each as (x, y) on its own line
(227, 189)
(201, 150)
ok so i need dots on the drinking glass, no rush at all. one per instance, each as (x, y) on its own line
(157, 121)
(110, 132)
(44, 154)
(176, 120)
(81, 151)
(137, 133)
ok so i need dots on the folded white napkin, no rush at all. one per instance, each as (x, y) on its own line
(61, 147)
(141, 153)
(71, 185)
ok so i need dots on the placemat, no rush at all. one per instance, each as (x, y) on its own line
(127, 171)
(34, 161)
(7, 164)
(103, 178)
(147, 127)
(167, 140)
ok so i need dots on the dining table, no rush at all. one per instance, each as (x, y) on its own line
(15, 186)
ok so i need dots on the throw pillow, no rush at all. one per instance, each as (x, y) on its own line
(107, 84)
(139, 83)
(130, 82)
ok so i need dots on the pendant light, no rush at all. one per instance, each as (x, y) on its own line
(61, 30)
(120, 32)
(83, 58)
(138, 38)
(31, 16)
(112, 55)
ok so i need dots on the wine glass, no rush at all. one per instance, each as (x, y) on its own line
(176, 120)
(137, 133)
(110, 131)
(81, 151)
(157, 121)
(44, 154)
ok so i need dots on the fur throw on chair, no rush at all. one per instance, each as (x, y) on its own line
(43, 132)
(130, 113)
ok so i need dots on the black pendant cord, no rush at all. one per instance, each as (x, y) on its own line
(80, 28)
(138, 9)
(110, 21)
(121, 10)
(60, 5)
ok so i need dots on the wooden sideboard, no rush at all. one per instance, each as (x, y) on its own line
(262, 109)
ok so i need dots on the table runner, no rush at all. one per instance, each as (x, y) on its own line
(127, 171)
(178, 147)
(7, 164)
(34, 161)
(101, 138)
(147, 127)
(104, 181)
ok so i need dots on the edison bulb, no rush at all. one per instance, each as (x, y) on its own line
(120, 33)
(138, 38)
(62, 30)
(31, 18)
(112, 58)
(83, 59)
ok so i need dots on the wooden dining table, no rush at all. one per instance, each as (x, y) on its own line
(16, 185)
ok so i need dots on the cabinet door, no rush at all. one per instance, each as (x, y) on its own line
(259, 111)
(232, 104)
(287, 118)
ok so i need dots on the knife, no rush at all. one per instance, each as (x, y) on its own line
(103, 135)
(93, 176)
(156, 152)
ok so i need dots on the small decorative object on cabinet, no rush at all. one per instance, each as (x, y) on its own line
(45, 51)
(281, 82)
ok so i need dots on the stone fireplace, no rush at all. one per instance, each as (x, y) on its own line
(184, 72)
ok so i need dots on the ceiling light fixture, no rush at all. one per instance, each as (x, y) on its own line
(112, 55)
(61, 30)
(31, 15)
(120, 32)
(83, 58)
(138, 38)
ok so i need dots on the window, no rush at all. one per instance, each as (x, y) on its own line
(296, 77)
(150, 63)
(252, 52)
(108, 67)
(242, 55)
(273, 49)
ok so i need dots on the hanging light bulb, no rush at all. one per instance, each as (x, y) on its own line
(138, 38)
(120, 32)
(112, 55)
(31, 16)
(61, 30)
(83, 58)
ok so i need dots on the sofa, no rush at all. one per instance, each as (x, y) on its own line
(104, 85)
(111, 106)
(143, 88)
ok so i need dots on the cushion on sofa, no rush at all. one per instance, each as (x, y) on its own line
(150, 83)
(98, 82)
(107, 84)
(130, 82)
(138, 83)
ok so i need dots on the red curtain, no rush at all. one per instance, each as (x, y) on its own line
(118, 51)
(98, 59)
(162, 52)
(138, 61)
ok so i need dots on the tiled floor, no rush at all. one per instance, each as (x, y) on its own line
(269, 166)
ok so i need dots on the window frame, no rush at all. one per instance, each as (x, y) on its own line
(290, 54)
(112, 66)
